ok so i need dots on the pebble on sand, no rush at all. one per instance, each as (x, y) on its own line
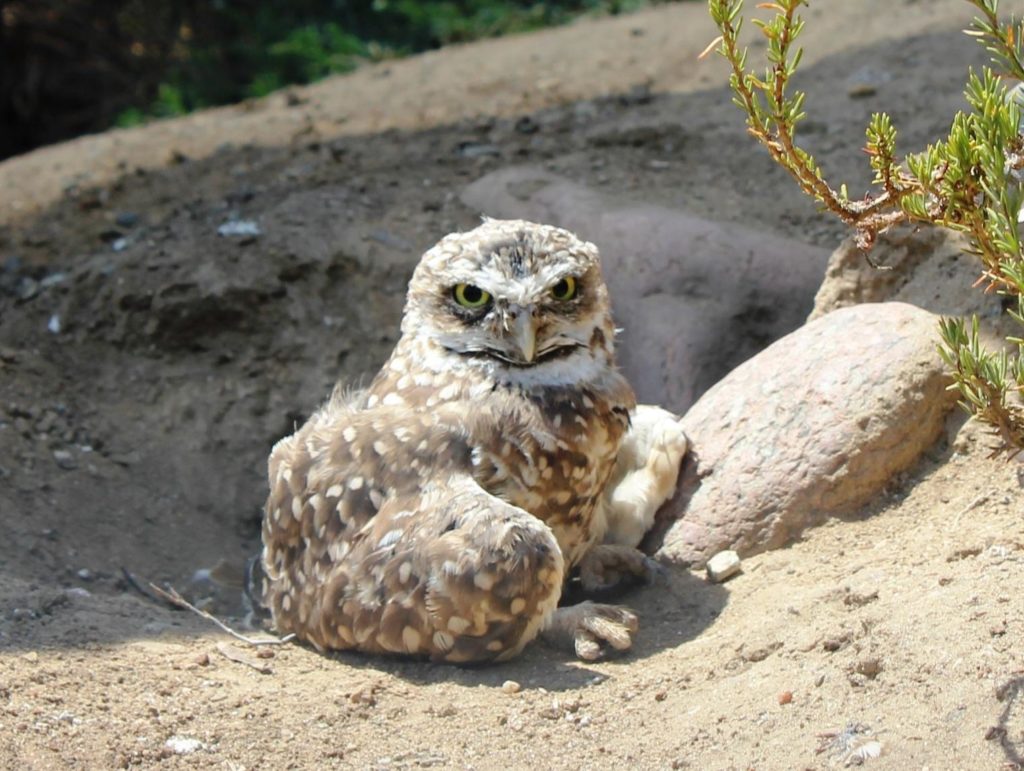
(723, 566)
(183, 745)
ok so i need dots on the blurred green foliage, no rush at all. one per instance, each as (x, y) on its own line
(69, 67)
(226, 50)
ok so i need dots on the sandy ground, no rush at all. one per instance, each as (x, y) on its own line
(135, 435)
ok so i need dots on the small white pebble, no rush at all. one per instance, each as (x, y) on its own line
(183, 745)
(723, 566)
(511, 686)
(245, 228)
(866, 751)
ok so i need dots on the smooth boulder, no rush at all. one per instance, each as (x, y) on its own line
(813, 426)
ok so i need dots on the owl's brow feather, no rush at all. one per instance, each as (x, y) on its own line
(515, 250)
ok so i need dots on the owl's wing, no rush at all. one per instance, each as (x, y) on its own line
(377, 537)
(329, 481)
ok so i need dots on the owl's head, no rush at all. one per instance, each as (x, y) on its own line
(512, 296)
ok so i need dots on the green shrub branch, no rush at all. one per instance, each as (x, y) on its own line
(969, 182)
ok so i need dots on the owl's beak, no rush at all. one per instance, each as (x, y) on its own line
(525, 331)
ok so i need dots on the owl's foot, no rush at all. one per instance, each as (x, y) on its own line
(591, 630)
(607, 566)
(645, 476)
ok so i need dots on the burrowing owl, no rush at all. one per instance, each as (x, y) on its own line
(439, 512)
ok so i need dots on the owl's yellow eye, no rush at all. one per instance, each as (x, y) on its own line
(564, 289)
(469, 296)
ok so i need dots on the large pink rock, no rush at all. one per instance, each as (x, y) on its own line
(815, 425)
(695, 298)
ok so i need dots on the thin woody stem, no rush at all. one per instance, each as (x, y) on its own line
(867, 215)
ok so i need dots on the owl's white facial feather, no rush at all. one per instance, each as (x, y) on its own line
(524, 334)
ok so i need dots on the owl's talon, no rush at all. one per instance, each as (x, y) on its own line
(606, 566)
(591, 630)
(587, 647)
(654, 571)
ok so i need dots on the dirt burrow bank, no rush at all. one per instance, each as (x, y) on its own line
(147, 364)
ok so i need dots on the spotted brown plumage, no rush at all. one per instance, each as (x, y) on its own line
(438, 512)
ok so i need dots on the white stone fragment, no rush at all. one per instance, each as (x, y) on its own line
(866, 751)
(723, 566)
(183, 745)
(244, 228)
(511, 686)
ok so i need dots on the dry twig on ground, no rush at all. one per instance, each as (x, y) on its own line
(172, 596)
